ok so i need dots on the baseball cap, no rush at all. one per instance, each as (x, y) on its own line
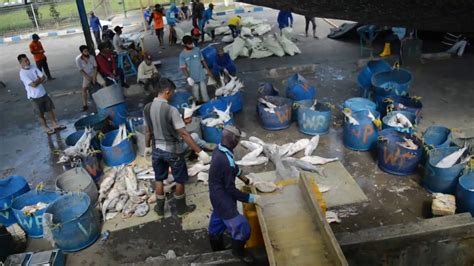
(35, 37)
(234, 130)
(117, 28)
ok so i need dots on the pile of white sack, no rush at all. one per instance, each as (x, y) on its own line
(121, 192)
(222, 118)
(229, 88)
(255, 47)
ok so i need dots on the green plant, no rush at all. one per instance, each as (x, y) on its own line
(53, 13)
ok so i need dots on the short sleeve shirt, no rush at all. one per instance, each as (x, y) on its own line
(117, 42)
(192, 60)
(27, 76)
(86, 65)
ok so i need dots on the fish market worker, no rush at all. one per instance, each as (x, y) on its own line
(224, 196)
(165, 129)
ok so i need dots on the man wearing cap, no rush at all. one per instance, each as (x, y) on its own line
(36, 48)
(224, 196)
(164, 135)
(33, 80)
(147, 72)
(95, 26)
(117, 41)
(159, 24)
(108, 68)
(88, 68)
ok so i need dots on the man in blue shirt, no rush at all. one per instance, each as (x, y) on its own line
(223, 64)
(95, 26)
(285, 19)
(205, 19)
(224, 196)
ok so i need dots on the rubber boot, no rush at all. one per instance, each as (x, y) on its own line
(160, 206)
(386, 50)
(217, 242)
(238, 250)
(181, 207)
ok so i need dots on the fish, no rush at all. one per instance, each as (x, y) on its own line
(80, 149)
(249, 145)
(399, 120)
(316, 160)
(284, 149)
(110, 215)
(223, 115)
(265, 187)
(129, 208)
(451, 159)
(197, 168)
(313, 144)
(268, 104)
(130, 179)
(257, 161)
(142, 209)
(121, 135)
(253, 154)
(347, 112)
(313, 106)
(298, 146)
(408, 144)
(121, 202)
(303, 165)
(256, 140)
(107, 183)
(203, 177)
(31, 209)
(188, 111)
(212, 122)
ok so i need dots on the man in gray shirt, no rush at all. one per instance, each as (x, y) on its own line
(165, 130)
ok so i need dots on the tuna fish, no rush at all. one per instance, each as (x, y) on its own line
(451, 159)
(298, 146)
(313, 144)
(316, 160)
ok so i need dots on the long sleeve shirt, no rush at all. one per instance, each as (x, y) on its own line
(222, 191)
(146, 71)
(95, 23)
(106, 64)
(283, 18)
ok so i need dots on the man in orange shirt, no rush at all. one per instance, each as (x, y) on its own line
(157, 17)
(38, 53)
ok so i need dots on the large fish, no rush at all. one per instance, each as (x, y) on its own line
(313, 144)
(197, 168)
(347, 112)
(284, 149)
(130, 179)
(122, 200)
(316, 160)
(257, 161)
(451, 159)
(256, 140)
(253, 154)
(141, 209)
(303, 165)
(250, 145)
(107, 183)
(298, 146)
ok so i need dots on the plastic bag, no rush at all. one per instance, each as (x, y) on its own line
(235, 48)
(245, 52)
(179, 35)
(228, 39)
(246, 31)
(224, 30)
(47, 224)
(260, 52)
(262, 29)
(289, 47)
(272, 45)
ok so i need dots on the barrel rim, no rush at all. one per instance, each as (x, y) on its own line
(28, 194)
(68, 195)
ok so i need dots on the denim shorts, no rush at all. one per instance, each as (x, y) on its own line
(163, 160)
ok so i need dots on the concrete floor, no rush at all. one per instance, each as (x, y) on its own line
(328, 64)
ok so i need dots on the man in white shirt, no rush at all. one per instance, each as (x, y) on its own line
(33, 78)
(147, 72)
(88, 68)
(117, 41)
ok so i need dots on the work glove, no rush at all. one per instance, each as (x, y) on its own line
(148, 151)
(190, 81)
(204, 157)
(256, 199)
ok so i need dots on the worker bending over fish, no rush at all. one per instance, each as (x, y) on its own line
(224, 196)
(165, 130)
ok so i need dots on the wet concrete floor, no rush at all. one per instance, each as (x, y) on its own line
(328, 64)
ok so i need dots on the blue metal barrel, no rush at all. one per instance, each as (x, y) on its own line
(76, 225)
(33, 223)
(396, 81)
(395, 159)
(92, 162)
(96, 121)
(399, 103)
(209, 53)
(266, 89)
(237, 101)
(181, 99)
(313, 122)
(364, 79)
(465, 193)
(299, 89)
(77, 180)
(122, 153)
(437, 136)
(207, 108)
(408, 115)
(72, 139)
(358, 104)
(117, 114)
(10, 187)
(213, 134)
(442, 180)
(281, 119)
(362, 137)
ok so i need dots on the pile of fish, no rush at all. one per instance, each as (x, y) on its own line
(229, 88)
(121, 192)
(454, 158)
(31, 209)
(221, 118)
(281, 156)
(74, 154)
(399, 120)
(270, 107)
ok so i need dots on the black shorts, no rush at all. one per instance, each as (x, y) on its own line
(43, 104)
(159, 32)
(162, 161)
